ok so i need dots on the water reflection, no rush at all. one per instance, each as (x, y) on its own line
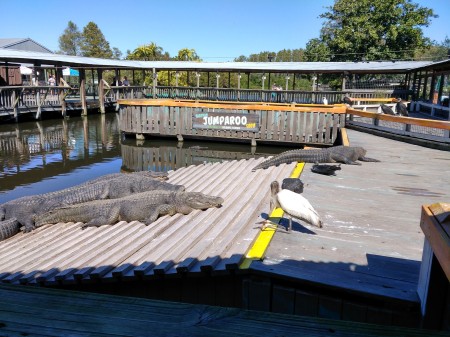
(44, 156)
(33, 152)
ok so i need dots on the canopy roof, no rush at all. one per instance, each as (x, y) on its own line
(273, 67)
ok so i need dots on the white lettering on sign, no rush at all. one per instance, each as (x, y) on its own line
(225, 120)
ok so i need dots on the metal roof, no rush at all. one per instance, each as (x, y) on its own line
(7, 55)
(23, 44)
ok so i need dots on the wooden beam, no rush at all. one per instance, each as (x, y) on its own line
(83, 92)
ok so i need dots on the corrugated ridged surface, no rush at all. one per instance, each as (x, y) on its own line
(212, 240)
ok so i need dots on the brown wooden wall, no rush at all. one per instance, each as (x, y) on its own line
(276, 124)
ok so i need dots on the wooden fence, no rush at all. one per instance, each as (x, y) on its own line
(416, 128)
(312, 124)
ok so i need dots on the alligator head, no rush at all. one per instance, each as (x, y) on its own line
(197, 200)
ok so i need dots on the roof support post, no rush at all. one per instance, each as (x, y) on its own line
(101, 91)
(62, 96)
(239, 86)
(83, 92)
(155, 79)
(217, 86)
(433, 83)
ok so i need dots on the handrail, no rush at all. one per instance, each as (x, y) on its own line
(431, 123)
(339, 109)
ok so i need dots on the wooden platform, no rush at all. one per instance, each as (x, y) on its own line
(371, 241)
(25, 311)
(362, 266)
(212, 240)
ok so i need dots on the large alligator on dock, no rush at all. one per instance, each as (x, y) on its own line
(23, 210)
(145, 207)
(335, 154)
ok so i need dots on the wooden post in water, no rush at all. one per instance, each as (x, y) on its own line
(83, 92)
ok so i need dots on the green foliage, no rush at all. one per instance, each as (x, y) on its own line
(436, 52)
(317, 51)
(147, 52)
(117, 54)
(94, 43)
(374, 29)
(187, 54)
(69, 41)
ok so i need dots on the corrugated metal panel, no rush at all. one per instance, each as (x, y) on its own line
(24, 44)
(214, 240)
(320, 67)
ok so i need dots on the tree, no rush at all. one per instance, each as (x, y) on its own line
(375, 29)
(117, 54)
(187, 54)
(437, 52)
(94, 43)
(148, 52)
(317, 51)
(69, 41)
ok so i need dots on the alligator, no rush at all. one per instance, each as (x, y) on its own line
(110, 186)
(9, 228)
(145, 207)
(340, 154)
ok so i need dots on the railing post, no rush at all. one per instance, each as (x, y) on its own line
(38, 101)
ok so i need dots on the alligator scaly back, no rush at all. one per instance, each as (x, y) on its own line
(337, 154)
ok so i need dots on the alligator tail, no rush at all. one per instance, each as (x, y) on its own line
(9, 228)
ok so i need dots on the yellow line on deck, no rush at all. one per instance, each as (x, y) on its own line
(261, 243)
(344, 137)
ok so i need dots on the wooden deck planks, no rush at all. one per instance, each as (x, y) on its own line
(49, 312)
(67, 254)
(371, 238)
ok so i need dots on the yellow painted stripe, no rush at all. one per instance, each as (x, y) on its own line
(261, 243)
(344, 137)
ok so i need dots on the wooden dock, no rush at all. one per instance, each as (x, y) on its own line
(362, 266)
(26, 311)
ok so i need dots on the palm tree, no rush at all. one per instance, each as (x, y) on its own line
(148, 52)
(187, 54)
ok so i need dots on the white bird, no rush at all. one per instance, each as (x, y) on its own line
(325, 101)
(294, 205)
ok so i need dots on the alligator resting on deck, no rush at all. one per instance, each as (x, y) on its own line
(145, 207)
(22, 211)
(335, 154)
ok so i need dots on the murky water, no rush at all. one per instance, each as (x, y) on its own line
(43, 156)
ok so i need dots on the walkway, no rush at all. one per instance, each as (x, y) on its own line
(371, 240)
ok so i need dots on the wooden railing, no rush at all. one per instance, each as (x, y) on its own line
(419, 128)
(15, 100)
(314, 124)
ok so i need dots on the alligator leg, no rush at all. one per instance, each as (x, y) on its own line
(343, 159)
(109, 218)
(156, 211)
(9, 228)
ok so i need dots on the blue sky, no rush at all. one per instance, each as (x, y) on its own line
(217, 30)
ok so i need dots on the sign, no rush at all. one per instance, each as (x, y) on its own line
(225, 121)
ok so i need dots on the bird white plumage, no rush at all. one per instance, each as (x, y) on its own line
(294, 205)
(297, 206)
